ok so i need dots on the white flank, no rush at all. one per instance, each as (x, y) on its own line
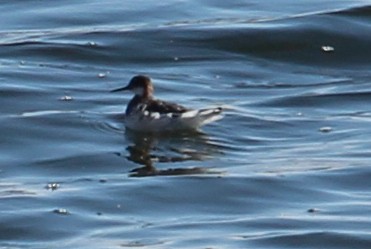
(156, 122)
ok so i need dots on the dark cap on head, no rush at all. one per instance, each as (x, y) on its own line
(139, 81)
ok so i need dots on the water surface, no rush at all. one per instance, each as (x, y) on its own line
(287, 167)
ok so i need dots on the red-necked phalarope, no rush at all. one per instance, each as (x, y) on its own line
(144, 113)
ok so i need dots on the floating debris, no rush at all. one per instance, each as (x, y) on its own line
(61, 211)
(102, 75)
(325, 129)
(176, 58)
(313, 210)
(52, 186)
(66, 98)
(327, 49)
(92, 44)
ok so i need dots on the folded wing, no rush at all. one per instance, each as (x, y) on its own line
(165, 116)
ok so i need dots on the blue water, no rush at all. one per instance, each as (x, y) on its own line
(287, 167)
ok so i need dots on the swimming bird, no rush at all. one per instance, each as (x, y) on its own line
(146, 114)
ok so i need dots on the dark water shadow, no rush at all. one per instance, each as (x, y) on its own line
(149, 149)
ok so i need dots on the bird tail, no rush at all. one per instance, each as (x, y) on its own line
(197, 118)
(209, 115)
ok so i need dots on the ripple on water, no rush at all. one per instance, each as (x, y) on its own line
(287, 167)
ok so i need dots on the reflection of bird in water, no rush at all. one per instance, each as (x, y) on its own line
(146, 114)
(148, 149)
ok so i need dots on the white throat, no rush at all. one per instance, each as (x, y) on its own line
(138, 91)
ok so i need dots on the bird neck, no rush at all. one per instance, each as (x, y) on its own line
(143, 92)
